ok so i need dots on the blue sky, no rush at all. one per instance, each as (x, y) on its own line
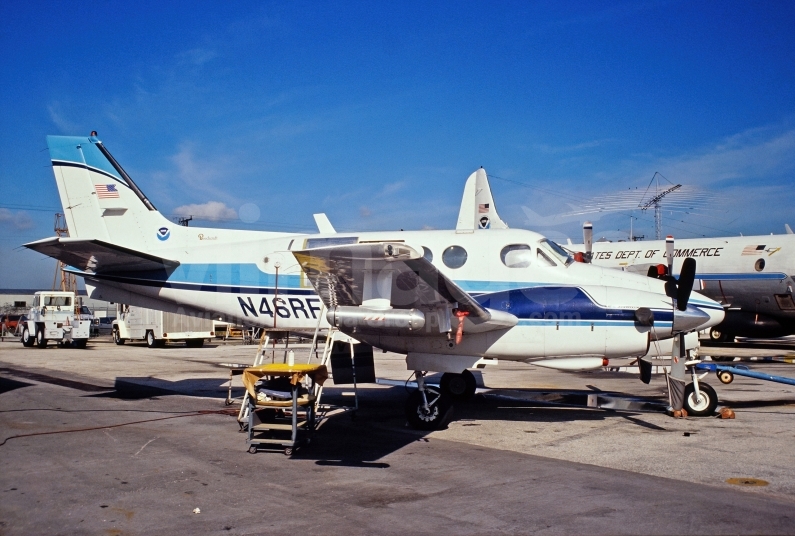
(376, 112)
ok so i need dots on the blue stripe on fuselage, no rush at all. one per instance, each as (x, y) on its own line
(741, 276)
(559, 303)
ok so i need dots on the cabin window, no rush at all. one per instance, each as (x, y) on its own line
(454, 257)
(544, 258)
(556, 252)
(759, 265)
(516, 255)
(427, 254)
(312, 243)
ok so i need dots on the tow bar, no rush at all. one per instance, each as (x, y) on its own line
(726, 373)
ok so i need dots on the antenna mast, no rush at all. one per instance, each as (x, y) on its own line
(655, 202)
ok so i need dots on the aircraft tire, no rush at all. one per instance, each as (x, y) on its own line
(437, 418)
(716, 335)
(706, 406)
(458, 386)
(41, 342)
(117, 338)
(27, 340)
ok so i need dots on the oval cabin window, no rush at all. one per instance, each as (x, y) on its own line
(427, 254)
(454, 257)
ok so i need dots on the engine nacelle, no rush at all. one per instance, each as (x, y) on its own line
(573, 364)
(345, 316)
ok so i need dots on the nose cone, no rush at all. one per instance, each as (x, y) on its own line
(711, 312)
(689, 319)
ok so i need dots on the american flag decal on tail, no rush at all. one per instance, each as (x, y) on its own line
(106, 191)
(483, 208)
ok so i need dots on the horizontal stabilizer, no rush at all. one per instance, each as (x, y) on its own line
(97, 256)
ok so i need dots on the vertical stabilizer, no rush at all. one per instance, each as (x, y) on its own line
(477, 206)
(99, 199)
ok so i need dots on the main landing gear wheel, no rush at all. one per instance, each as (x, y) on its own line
(458, 386)
(41, 342)
(27, 338)
(117, 337)
(717, 335)
(705, 405)
(435, 417)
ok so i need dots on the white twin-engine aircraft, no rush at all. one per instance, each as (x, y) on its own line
(447, 299)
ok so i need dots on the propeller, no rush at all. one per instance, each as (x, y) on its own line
(681, 288)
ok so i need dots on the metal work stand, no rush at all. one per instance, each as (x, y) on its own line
(285, 424)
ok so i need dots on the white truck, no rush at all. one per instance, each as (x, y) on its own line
(56, 316)
(158, 327)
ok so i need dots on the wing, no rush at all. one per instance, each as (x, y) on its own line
(99, 257)
(354, 275)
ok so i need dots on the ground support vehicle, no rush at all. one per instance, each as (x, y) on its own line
(158, 327)
(56, 316)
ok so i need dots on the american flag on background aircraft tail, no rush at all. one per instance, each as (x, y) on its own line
(753, 250)
(106, 191)
(483, 208)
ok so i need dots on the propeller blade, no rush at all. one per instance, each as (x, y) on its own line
(685, 283)
(645, 370)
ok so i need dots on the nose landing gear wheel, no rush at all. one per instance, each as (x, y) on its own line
(438, 414)
(704, 405)
(458, 386)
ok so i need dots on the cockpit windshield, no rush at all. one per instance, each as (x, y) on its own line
(558, 252)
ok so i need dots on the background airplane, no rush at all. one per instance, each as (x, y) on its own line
(751, 276)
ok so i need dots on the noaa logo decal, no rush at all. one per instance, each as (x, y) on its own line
(163, 233)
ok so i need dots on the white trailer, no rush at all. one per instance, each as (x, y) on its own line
(158, 327)
(56, 316)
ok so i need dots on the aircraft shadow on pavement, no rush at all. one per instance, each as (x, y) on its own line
(380, 427)
(7, 384)
(137, 388)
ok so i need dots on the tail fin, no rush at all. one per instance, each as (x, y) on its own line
(477, 206)
(99, 199)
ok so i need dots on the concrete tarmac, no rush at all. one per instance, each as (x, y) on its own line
(132, 440)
